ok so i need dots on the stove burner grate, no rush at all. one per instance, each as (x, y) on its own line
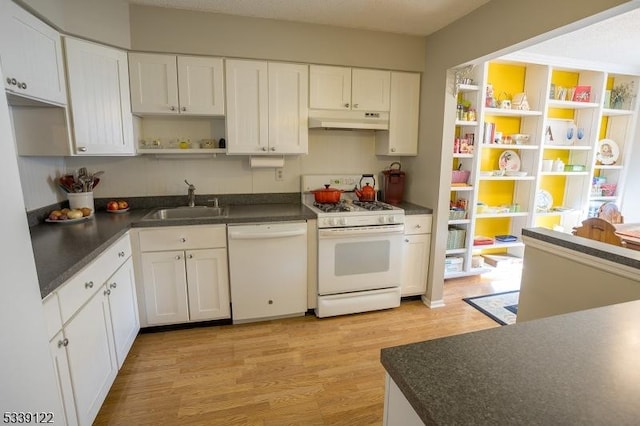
(372, 205)
(333, 207)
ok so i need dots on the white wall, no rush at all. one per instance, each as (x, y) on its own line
(26, 369)
(496, 28)
(104, 21)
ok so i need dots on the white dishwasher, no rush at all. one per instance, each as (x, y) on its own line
(267, 270)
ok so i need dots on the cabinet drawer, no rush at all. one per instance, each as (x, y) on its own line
(52, 315)
(77, 291)
(183, 238)
(417, 224)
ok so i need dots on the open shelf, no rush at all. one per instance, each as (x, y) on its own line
(501, 112)
(552, 103)
(509, 146)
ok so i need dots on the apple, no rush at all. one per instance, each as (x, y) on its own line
(86, 211)
(112, 205)
(122, 204)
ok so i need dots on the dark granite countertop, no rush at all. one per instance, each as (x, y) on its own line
(621, 255)
(61, 250)
(573, 369)
(411, 209)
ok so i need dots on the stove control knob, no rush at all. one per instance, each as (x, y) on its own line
(381, 219)
(343, 221)
(392, 219)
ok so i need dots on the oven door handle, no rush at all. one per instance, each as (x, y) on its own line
(239, 235)
(361, 231)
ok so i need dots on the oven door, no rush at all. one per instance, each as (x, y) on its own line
(359, 258)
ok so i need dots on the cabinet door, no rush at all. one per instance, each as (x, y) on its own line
(200, 85)
(415, 264)
(92, 359)
(124, 310)
(208, 284)
(31, 55)
(154, 83)
(165, 287)
(288, 111)
(329, 87)
(247, 107)
(58, 349)
(99, 97)
(404, 110)
(370, 90)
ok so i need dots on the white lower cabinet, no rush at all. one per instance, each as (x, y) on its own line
(397, 410)
(191, 284)
(124, 310)
(415, 254)
(92, 358)
(92, 322)
(58, 349)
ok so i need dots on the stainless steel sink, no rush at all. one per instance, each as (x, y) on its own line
(198, 212)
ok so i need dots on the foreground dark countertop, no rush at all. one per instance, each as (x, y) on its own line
(621, 255)
(62, 250)
(579, 368)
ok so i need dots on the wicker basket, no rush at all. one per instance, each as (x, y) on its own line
(455, 238)
(608, 189)
(460, 176)
(457, 214)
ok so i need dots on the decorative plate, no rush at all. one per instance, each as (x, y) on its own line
(544, 200)
(68, 221)
(608, 152)
(509, 161)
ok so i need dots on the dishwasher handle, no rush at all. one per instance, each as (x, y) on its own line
(249, 235)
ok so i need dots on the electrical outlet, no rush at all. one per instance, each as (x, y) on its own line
(279, 174)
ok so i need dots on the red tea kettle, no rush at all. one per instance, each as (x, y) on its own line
(367, 192)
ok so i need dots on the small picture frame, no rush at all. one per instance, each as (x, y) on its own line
(582, 94)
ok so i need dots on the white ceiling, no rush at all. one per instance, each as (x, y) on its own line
(416, 17)
(614, 41)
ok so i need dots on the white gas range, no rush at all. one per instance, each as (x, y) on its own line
(359, 249)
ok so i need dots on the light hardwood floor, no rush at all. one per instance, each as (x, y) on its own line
(297, 371)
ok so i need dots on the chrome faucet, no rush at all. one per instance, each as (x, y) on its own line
(191, 194)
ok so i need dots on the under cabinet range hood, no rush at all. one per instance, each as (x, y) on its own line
(353, 120)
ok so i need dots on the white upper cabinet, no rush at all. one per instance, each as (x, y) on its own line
(169, 84)
(370, 89)
(31, 55)
(99, 99)
(267, 110)
(329, 87)
(340, 88)
(200, 85)
(404, 111)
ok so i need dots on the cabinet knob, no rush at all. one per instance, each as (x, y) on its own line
(82, 148)
(172, 108)
(88, 284)
(107, 292)
(418, 226)
(271, 302)
(63, 342)
(183, 240)
(406, 240)
(273, 148)
(355, 105)
(264, 148)
(346, 105)
(113, 285)
(178, 257)
(393, 150)
(183, 108)
(190, 256)
(120, 254)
